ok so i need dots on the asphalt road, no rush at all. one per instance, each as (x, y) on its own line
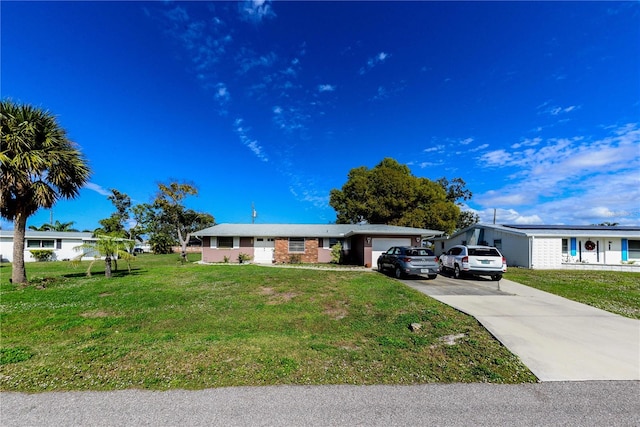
(597, 403)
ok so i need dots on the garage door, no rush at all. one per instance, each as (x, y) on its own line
(382, 244)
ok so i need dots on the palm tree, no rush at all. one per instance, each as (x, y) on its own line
(58, 226)
(111, 248)
(38, 166)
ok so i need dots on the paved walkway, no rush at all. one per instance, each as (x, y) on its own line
(558, 339)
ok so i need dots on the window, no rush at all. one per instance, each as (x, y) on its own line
(49, 244)
(634, 249)
(296, 244)
(225, 242)
(483, 252)
(333, 241)
(455, 251)
(497, 243)
(565, 246)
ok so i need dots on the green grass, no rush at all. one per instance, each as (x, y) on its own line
(167, 325)
(613, 291)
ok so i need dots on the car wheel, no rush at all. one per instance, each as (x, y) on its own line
(432, 276)
(496, 277)
(456, 272)
(398, 273)
(380, 268)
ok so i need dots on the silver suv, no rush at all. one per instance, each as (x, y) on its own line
(478, 260)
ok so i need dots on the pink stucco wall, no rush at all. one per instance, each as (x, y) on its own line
(210, 254)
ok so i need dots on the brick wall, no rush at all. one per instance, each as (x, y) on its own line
(282, 255)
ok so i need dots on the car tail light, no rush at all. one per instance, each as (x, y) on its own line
(406, 259)
(504, 261)
(465, 259)
(436, 259)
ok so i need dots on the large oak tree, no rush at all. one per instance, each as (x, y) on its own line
(170, 213)
(38, 166)
(390, 194)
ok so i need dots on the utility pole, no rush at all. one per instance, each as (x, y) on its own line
(254, 214)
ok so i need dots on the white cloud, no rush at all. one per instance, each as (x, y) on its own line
(496, 158)
(247, 60)
(466, 141)
(255, 10)
(97, 188)
(479, 148)
(326, 88)
(374, 61)
(436, 148)
(527, 142)
(555, 110)
(248, 142)
(570, 179)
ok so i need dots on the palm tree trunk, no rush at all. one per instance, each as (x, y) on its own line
(19, 273)
(107, 266)
(183, 246)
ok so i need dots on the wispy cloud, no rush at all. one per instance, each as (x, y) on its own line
(374, 61)
(436, 148)
(555, 110)
(326, 88)
(478, 148)
(255, 10)
(290, 119)
(248, 59)
(252, 144)
(384, 92)
(564, 175)
(97, 188)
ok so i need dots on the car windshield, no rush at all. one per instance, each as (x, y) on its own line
(483, 252)
(419, 252)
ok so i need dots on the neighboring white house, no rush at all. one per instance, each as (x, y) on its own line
(555, 246)
(62, 243)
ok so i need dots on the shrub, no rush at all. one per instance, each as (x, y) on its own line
(42, 254)
(336, 253)
(295, 259)
(242, 257)
(225, 259)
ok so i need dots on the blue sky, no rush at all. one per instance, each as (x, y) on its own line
(536, 105)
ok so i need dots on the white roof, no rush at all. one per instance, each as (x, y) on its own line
(311, 230)
(33, 234)
(562, 230)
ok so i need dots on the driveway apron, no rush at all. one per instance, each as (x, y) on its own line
(558, 339)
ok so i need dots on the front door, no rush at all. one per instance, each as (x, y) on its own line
(263, 248)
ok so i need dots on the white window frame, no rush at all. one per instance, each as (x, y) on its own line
(39, 244)
(297, 241)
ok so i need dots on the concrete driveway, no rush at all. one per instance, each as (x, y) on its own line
(558, 339)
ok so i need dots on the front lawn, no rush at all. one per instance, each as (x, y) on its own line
(167, 325)
(613, 291)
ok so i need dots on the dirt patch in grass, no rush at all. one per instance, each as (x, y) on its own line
(336, 310)
(275, 297)
(95, 314)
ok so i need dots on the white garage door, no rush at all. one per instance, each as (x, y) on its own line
(382, 244)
